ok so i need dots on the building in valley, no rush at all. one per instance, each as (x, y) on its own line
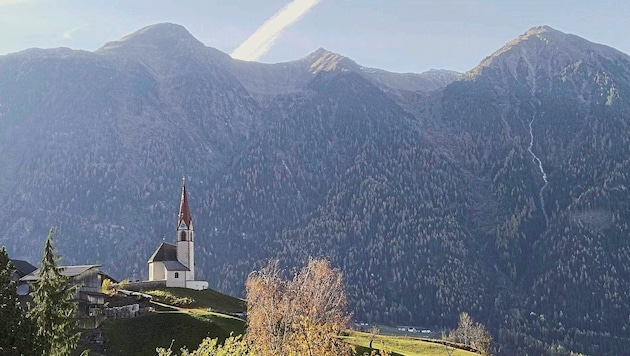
(89, 296)
(174, 264)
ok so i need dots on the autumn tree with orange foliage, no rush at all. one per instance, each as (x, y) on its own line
(303, 316)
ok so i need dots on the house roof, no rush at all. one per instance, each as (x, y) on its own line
(68, 271)
(165, 252)
(71, 271)
(22, 267)
(184, 209)
(94, 294)
(105, 276)
(175, 266)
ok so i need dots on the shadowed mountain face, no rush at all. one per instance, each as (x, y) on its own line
(503, 194)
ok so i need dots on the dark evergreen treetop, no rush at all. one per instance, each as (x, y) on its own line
(54, 309)
(16, 331)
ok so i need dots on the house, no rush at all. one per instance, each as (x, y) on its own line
(20, 269)
(90, 279)
(174, 264)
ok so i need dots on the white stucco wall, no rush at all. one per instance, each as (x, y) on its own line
(180, 281)
(157, 271)
(198, 285)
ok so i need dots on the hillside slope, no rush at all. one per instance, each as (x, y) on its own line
(503, 194)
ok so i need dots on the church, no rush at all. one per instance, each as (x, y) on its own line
(175, 264)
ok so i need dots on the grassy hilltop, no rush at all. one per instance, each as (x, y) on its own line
(184, 317)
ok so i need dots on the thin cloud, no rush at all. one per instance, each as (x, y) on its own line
(264, 37)
(68, 34)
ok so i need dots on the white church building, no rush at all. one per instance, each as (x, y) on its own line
(175, 264)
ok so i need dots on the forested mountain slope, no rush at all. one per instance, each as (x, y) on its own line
(546, 119)
(503, 193)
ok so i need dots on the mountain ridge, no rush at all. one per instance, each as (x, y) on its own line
(543, 53)
(159, 37)
(297, 73)
(502, 194)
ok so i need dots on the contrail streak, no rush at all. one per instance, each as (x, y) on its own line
(261, 41)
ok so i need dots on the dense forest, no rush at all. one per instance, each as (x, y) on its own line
(502, 193)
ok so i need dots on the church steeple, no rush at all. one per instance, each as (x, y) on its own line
(185, 219)
(186, 235)
(175, 264)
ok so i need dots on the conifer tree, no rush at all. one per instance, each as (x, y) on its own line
(54, 309)
(16, 330)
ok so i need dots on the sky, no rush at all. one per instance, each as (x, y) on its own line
(395, 35)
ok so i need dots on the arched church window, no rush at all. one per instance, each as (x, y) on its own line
(182, 236)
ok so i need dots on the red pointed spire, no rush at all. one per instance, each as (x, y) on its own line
(184, 210)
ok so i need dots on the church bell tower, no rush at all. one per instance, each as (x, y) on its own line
(186, 235)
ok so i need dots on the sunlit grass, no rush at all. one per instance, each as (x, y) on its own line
(198, 299)
(402, 345)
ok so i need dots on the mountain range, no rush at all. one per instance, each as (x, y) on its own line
(502, 192)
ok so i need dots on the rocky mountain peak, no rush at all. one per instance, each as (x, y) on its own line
(163, 36)
(321, 51)
(543, 53)
(323, 60)
(541, 29)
